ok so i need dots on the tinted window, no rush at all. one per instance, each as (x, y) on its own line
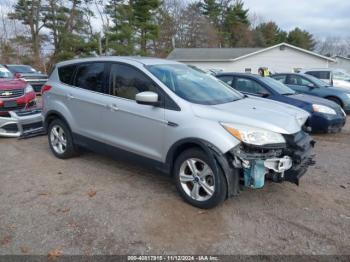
(281, 78)
(227, 79)
(320, 74)
(65, 73)
(194, 86)
(126, 81)
(248, 86)
(90, 77)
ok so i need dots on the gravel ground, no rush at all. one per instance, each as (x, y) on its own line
(95, 205)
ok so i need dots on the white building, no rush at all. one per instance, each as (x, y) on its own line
(278, 58)
(342, 63)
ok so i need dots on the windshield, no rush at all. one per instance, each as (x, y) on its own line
(4, 73)
(22, 69)
(278, 86)
(340, 75)
(316, 81)
(194, 86)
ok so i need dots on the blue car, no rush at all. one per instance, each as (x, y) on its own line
(326, 116)
(310, 85)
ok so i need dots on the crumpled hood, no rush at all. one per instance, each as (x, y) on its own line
(256, 112)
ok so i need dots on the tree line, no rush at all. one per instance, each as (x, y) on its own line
(44, 32)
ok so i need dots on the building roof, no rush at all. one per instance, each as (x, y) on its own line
(209, 54)
(229, 54)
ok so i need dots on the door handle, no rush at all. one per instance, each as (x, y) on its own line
(69, 96)
(112, 107)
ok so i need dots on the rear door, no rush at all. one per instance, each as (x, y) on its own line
(249, 86)
(126, 124)
(85, 99)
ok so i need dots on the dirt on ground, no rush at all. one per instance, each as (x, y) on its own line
(93, 204)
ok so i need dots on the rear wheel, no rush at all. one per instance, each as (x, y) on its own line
(60, 139)
(198, 181)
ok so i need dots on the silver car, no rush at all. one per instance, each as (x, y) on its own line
(213, 140)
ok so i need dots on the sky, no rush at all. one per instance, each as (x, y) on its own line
(323, 18)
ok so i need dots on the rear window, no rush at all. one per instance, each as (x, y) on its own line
(320, 74)
(65, 73)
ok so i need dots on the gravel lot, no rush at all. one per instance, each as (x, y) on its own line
(95, 205)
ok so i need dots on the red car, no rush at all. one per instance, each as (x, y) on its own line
(15, 94)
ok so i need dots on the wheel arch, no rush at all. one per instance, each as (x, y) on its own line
(331, 97)
(219, 160)
(52, 115)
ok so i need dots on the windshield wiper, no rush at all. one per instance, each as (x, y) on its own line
(288, 94)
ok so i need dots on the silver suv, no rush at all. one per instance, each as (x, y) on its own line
(213, 140)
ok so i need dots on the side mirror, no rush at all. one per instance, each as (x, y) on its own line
(311, 85)
(264, 94)
(147, 98)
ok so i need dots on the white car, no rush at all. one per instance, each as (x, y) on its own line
(333, 77)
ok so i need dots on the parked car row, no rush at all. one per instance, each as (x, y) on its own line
(215, 135)
(18, 112)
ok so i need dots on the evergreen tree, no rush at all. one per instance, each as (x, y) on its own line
(145, 22)
(271, 34)
(236, 25)
(121, 36)
(301, 38)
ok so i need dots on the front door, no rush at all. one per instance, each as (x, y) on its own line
(126, 124)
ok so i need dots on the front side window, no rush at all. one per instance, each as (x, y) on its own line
(194, 86)
(126, 81)
(248, 86)
(298, 80)
(90, 76)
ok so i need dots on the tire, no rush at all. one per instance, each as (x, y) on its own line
(206, 188)
(336, 100)
(60, 140)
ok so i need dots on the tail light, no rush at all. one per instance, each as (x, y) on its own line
(45, 88)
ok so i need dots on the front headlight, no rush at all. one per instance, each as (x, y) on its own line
(253, 135)
(28, 89)
(323, 109)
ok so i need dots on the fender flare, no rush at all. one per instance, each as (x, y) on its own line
(218, 160)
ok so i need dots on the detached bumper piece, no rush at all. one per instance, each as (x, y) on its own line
(22, 123)
(300, 149)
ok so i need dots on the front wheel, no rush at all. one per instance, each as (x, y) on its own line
(198, 180)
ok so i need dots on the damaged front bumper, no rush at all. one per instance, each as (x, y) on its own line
(20, 123)
(285, 162)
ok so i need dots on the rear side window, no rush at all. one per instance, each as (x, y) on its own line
(248, 86)
(227, 79)
(65, 73)
(90, 76)
(320, 74)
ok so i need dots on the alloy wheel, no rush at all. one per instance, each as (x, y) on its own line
(197, 179)
(58, 139)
